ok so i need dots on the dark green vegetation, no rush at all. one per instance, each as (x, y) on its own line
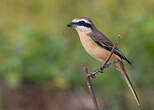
(38, 50)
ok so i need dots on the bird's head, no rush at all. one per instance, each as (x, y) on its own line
(82, 24)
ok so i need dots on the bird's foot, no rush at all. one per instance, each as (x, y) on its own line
(93, 73)
(100, 70)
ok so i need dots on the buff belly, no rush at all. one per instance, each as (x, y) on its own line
(95, 50)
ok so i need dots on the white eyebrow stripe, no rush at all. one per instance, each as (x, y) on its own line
(77, 20)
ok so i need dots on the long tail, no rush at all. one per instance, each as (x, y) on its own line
(121, 68)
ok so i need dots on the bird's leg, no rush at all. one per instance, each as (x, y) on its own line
(93, 73)
(105, 66)
(99, 70)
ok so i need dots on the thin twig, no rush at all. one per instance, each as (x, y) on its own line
(89, 84)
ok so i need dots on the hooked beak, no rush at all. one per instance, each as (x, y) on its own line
(71, 24)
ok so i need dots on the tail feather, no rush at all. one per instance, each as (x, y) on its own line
(123, 72)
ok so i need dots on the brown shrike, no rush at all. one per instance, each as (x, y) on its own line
(99, 47)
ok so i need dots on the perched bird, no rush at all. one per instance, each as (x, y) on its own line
(99, 47)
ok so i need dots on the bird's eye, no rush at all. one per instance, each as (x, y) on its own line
(81, 22)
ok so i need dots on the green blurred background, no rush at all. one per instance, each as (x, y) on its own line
(42, 60)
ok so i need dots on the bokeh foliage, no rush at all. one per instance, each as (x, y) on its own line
(36, 47)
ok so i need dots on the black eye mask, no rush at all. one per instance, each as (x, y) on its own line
(82, 23)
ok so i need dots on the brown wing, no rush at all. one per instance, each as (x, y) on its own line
(104, 42)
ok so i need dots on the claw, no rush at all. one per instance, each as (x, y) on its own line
(101, 70)
(92, 74)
